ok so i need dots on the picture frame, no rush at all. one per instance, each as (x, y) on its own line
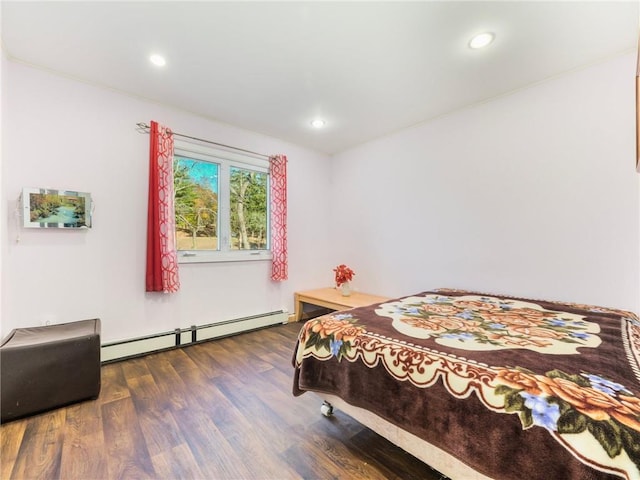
(50, 208)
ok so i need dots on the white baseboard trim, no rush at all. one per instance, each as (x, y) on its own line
(120, 350)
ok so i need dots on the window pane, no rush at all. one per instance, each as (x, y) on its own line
(196, 203)
(248, 209)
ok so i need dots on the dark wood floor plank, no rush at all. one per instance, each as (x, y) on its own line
(114, 384)
(226, 416)
(84, 454)
(128, 456)
(296, 414)
(253, 359)
(180, 361)
(265, 463)
(265, 419)
(311, 462)
(393, 458)
(168, 380)
(215, 457)
(134, 368)
(41, 448)
(202, 355)
(229, 362)
(177, 463)
(350, 461)
(154, 415)
(221, 410)
(11, 436)
(333, 435)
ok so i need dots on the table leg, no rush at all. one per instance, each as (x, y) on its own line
(298, 308)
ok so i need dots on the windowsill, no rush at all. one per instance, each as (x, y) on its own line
(219, 257)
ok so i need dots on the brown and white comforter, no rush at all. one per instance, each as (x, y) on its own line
(515, 388)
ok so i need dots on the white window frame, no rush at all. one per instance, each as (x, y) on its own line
(225, 160)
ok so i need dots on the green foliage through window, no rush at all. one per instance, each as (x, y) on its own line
(196, 203)
(219, 206)
(248, 209)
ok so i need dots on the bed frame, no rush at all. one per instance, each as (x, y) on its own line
(433, 456)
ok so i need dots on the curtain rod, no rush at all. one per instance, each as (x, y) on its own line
(144, 128)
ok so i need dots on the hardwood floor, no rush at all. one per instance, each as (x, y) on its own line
(216, 410)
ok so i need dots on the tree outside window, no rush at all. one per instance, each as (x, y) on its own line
(248, 209)
(196, 203)
(219, 207)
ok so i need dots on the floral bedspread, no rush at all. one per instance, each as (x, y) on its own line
(515, 388)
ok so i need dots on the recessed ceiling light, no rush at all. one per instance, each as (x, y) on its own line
(158, 60)
(481, 40)
(317, 123)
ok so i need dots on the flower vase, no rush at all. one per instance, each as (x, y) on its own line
(345, 289)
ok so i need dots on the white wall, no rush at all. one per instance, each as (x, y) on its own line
(531, 194)
(61, 133)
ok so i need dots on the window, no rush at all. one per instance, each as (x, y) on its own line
(221, 205)
(195, 184)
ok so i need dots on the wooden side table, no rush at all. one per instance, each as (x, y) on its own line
(333, 299)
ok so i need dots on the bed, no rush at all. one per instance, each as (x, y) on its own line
(485, 386)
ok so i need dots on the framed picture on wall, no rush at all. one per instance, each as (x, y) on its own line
(47, 208)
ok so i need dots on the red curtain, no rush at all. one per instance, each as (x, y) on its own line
(162, 258)
(278, 174)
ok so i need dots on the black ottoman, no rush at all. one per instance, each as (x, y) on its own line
(47, 367)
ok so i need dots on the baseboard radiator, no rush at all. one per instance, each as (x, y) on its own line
(120, 350)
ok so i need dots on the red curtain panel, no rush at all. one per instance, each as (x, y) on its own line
(278, 173)
(162, 258)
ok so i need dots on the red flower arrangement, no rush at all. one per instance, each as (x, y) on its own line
(343, 274)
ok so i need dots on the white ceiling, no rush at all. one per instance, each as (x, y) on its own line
(367, 68)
